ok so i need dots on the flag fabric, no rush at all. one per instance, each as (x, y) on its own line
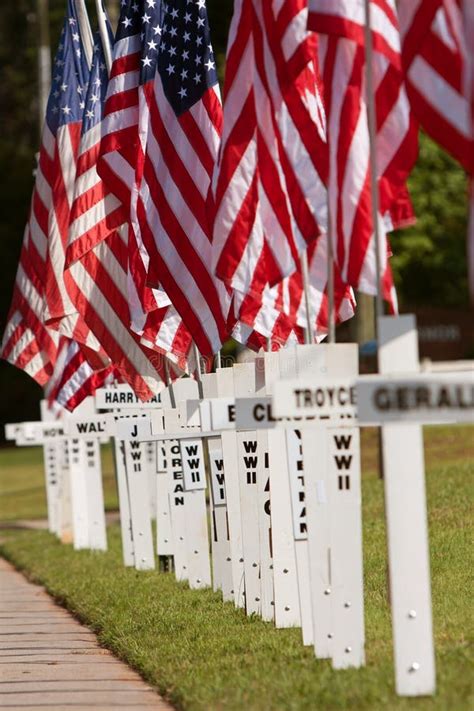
(270, 198)
(73, 378)
(342, 55)
(26, 314)
(438, 61)
(20, 347)
(99, 279)
(183, 111)
(120, 164)
(124, 130)
(64, 123)
(279, 313)
(95, 211)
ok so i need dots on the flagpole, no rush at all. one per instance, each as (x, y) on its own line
(169, 382)
(372, 124)
(197, 356)
(330, 278)
(104, 35)
(308, 334)
(85, 29)
(44, 60)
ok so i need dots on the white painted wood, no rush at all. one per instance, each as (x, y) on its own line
(177, 506)
(164, 532)
(422, 398)
(197, 540)
(128, 551)
(95, 496)
(78, 489)
(220, 543)
(315, 443)
(287, 604)
(298, 501)
(137, 476)
(398, 345)
(287, 608)
(245, 383)
(344, 493)
(194, 471)
(51, 471)
(225, 389)
(248, 455)
(407, 528)
(267, 605)
(334, 515)
(196, 537)
(244, 379)
(150, 451)
(230, 455)
(121, 396)
(209, 385)
(225, 382)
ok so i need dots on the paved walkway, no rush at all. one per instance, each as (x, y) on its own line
(50, 662)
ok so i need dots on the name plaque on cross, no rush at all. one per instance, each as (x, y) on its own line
(423, 398)
(309, 398)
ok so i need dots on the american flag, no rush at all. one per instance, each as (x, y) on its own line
(30, 294)
(95, 212)
(279, 313)
(342, 54)
(270, 193)
(73, 378)
(182, 138)
(124, 131)
(438, 61)
(99, 283)
(271, 200)
(63, 128)
(21, 345)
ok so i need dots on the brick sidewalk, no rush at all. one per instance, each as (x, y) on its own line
(50, 662)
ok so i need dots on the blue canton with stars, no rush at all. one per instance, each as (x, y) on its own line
(70, 76)
(175, 41)
(97, 90)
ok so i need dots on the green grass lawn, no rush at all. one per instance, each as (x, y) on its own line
(203, 654)
(22, 491)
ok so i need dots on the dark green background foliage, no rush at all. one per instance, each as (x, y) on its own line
(429, 262)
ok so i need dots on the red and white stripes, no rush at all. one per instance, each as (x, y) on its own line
(438, 64)
(343, 57)
(270, 200)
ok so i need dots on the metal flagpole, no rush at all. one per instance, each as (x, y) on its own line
(44, 60)
(104, 35)
(308, 333)
(85, 29)
(197, 356)
(372, 123)
(374, 188)
(330, 277)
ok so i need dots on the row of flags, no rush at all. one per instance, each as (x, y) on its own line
(161, 217)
